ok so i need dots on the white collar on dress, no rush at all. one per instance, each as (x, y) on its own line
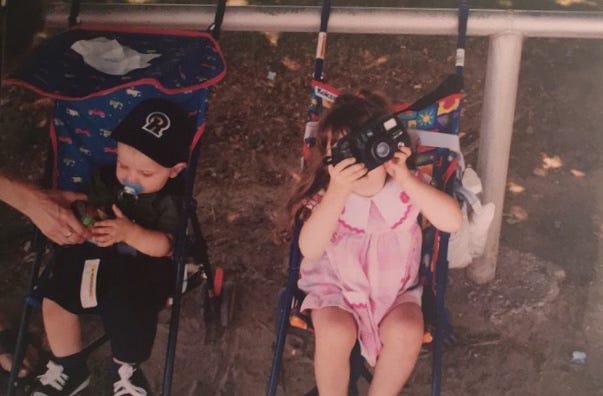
(391, 202)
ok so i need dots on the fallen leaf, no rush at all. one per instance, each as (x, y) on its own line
(381, 60)
(291, 64)
(272, 38)
(553, 162)
(540, 172)
(516, 214)
(232, 217)
(515, 188)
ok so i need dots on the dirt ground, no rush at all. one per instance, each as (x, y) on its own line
(516, 335)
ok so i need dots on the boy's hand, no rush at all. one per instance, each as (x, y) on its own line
(107, 232)
(344, 174)
(396, 167)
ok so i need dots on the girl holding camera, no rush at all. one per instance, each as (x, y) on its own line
(361, 243)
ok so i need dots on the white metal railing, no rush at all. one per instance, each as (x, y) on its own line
(380, 20)
(506, 30)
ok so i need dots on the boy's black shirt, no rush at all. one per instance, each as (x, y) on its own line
(155, 211)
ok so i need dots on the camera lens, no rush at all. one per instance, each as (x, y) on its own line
(382, 150)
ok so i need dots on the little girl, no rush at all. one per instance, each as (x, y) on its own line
(361, 243)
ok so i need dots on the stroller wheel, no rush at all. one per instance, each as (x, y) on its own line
(227, 302)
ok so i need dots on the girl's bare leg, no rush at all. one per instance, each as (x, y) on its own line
(335, 336)
(401, 333)
(62, 329)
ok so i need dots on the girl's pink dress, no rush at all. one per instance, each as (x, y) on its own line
(371, 264)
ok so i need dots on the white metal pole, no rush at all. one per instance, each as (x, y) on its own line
(496, 129)
(378, 20)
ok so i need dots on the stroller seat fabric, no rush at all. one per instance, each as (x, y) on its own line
(90, 103)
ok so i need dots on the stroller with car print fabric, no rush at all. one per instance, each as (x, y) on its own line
(434, 121)
(92, 95)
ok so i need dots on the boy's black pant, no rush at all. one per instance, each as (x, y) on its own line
(128, 291)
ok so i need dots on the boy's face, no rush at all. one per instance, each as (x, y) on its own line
(135, 168)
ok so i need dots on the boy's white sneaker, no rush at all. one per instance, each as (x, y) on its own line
(130, 381)
(58, 381)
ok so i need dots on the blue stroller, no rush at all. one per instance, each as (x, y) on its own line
(90, 100)
(434, 119)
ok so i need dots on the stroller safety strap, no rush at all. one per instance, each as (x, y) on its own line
(436, 139)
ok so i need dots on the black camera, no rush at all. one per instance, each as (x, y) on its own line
(373, 144)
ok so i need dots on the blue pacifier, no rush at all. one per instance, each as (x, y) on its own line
(131, 188)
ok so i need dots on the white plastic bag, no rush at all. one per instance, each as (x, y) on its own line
(110, 57)
(470, 240)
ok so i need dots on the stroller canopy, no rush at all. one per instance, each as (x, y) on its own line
(185, 61)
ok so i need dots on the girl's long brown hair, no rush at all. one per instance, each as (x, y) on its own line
(348, 113)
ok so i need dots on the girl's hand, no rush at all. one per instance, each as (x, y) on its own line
(344, 174)
(107, 232)
(396, 167)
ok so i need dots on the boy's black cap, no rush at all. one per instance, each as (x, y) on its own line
(160, 129)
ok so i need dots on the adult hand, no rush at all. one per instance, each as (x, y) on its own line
(50, 211)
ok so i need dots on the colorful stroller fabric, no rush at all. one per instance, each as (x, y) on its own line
(434, 120)
(89, 104)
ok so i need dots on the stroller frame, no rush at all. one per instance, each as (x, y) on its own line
(439, 271)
